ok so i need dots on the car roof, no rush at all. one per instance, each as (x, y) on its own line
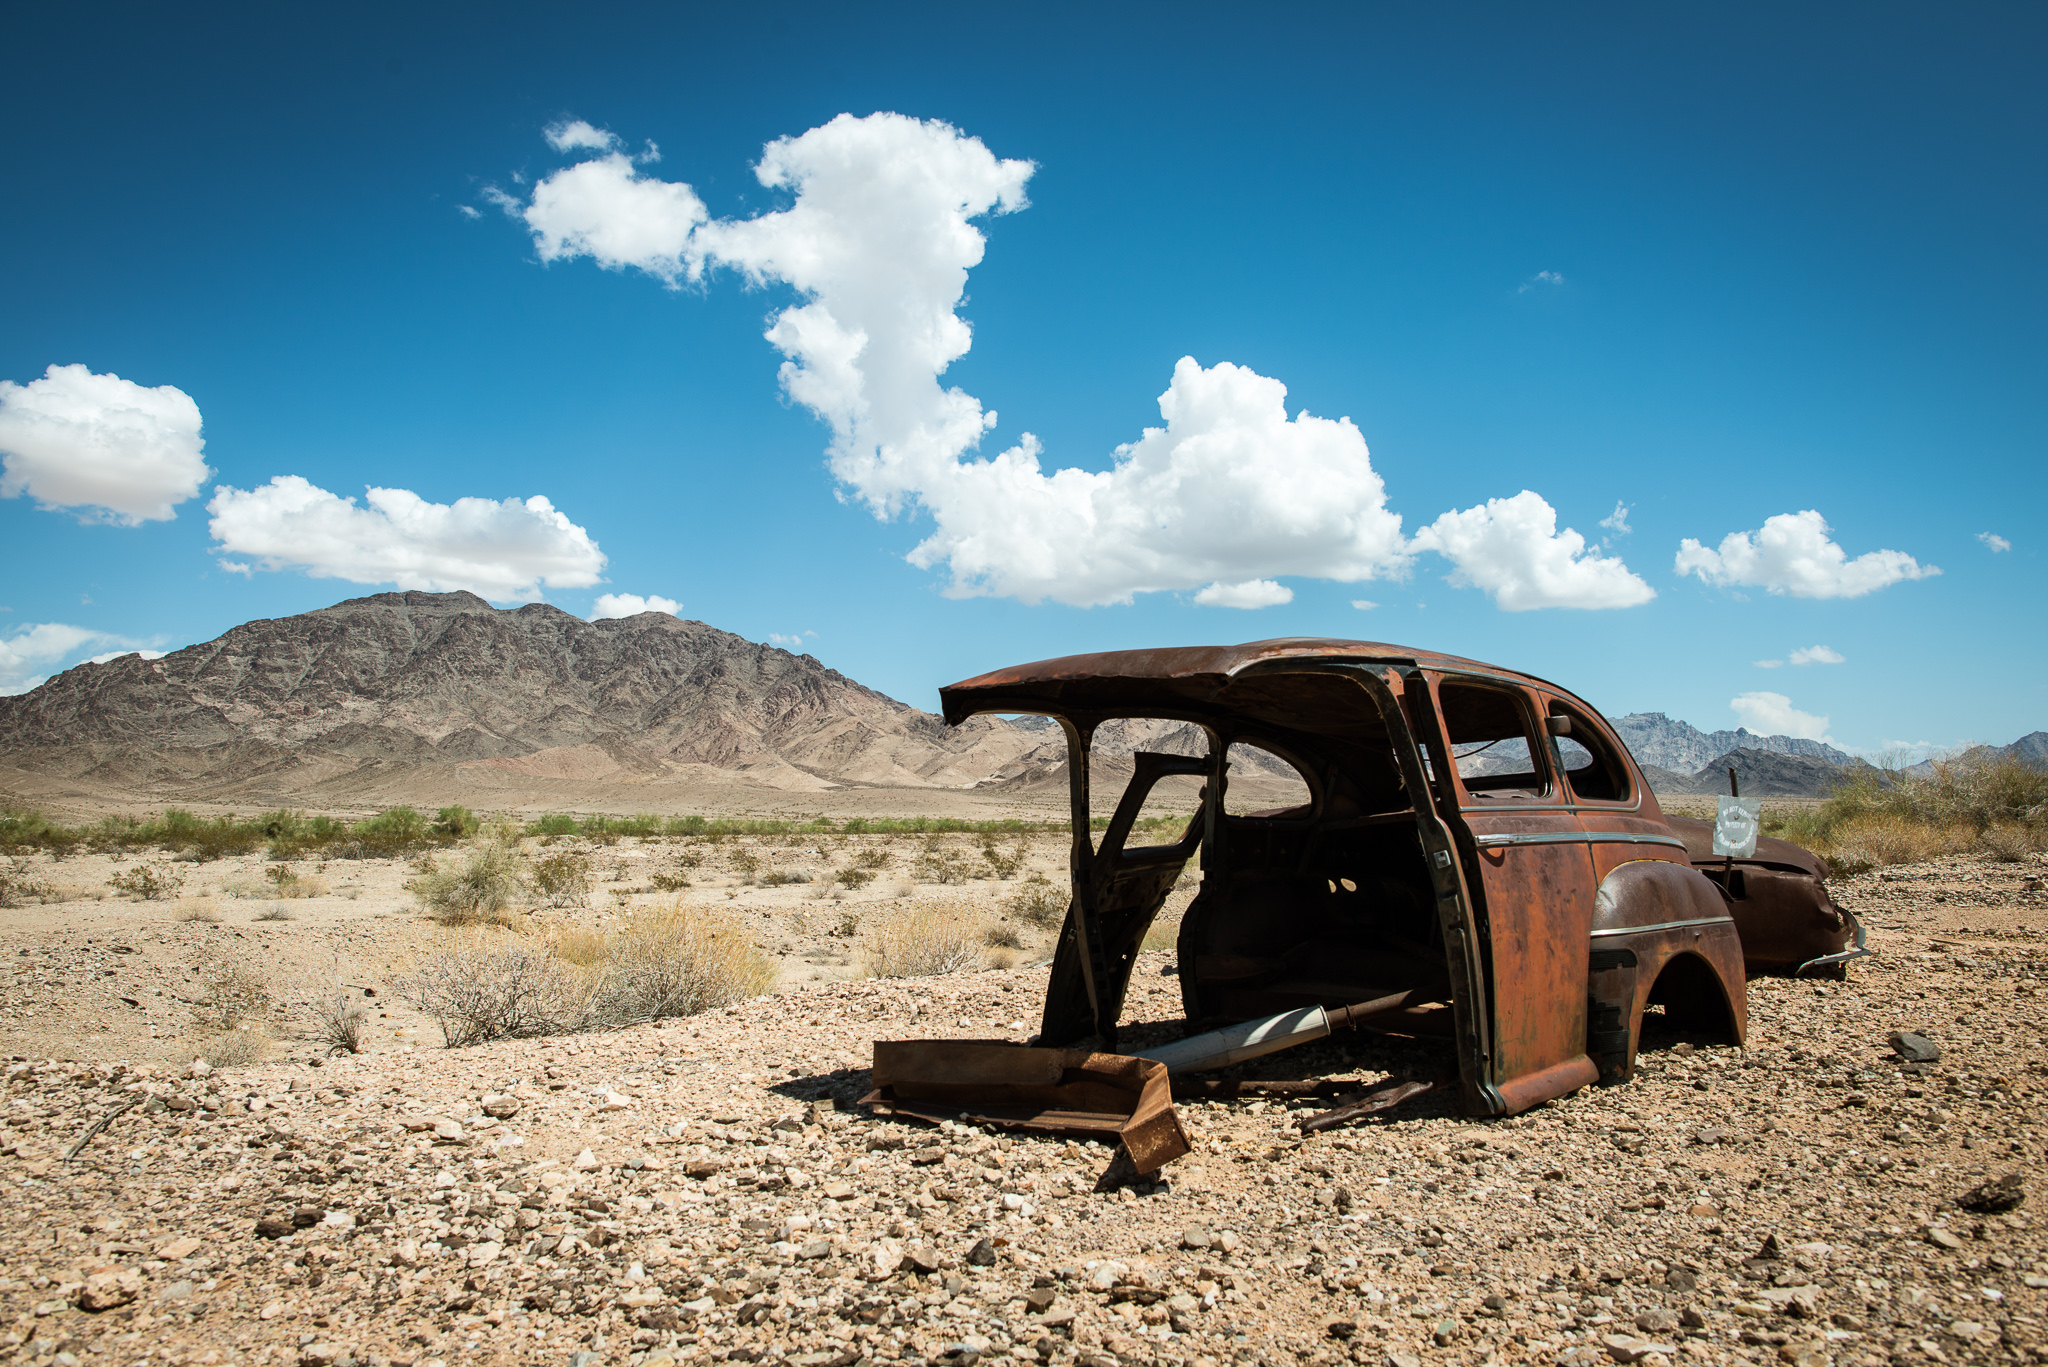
(1111, 679)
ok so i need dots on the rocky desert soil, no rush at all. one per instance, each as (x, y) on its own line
(710, 1189)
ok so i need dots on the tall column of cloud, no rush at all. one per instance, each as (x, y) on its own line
(125, 453)
(500, 550)
(1793, 555)
(878, 240)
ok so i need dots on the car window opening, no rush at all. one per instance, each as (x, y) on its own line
(1491, 742)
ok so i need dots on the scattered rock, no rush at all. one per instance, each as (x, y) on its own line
(1941, 1238)
(1914, 1048)
(1994, 1197)
(983, 1254)
(108, 1289)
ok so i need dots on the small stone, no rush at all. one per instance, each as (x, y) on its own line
(702, 1167)
(1914, 1048)
(1700, 1210)
(1195, 1237)
(1692, 1317)
(1681, 1279)
(983, 1254)
(447, 1130)
(1658, 1321)
(501, 1107)
(1803, 1354)
(1994, 1197)
(1941, 1238)
(1629, 1348)
(198, 1067)
(837, 1191)
(179, 1249)
(925, 1157)
(1396, 1358)
(305, 1217)
(319, 1354)
(614, 1102)
(1040, 1299)
(273, 1226)
(815, 1249)
(109, 1289)
(1340, 1329)
(586, 1162)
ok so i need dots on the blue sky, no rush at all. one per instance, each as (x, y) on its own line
(1720, 266)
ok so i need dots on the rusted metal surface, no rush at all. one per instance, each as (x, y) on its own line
(1054, 1091)
(1779, 901)
(1479, 860)
(1384, 1099)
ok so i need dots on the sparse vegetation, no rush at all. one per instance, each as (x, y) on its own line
(1888, 816)
(480, 986)
(665, 880)
(938, 862)
(276, 911)
(1002, 936)
(198, 909)
(338, 1018)
(234, 1048)
(19, 884)
(455, 823)
(562, 880)
(151, 882)
(1037, 902)
(855, 877)
(230, 994)
(1003, 864)
(679, 960)
(286, 881)
(920, 942)
(484, 889)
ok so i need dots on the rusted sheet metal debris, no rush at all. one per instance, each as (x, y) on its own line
(1385, 1099)
(1479, 859)
(1056, 1091)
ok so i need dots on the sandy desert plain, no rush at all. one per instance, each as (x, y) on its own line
(708, 1188)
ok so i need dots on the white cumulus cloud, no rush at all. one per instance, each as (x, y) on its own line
(1817, 655)
(1994, 542)
(1511, 548)
(1617, 521)
(1772, 714)
(877, 239)
(793, 641)
(1768, 664)
(501, 550)
(1252, 593)
(1364, 604)
(631, 605)
(1793, 554)
(27, 654)
(124, 453)
(574, 134)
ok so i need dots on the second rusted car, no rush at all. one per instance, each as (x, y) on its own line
(1477, 856)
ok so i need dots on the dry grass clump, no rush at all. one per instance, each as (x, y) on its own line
(676, 960)
(19, 885)
(230, 994)
(921, 942)
(339, 1018)
(1003, 864)
(1037, 902)
(151, 882)
(483, 890)
(938, 862)
(1976, 800)
(562, 880)
(286, 881)
(276, 911)
(198, 909)
(244, 1044)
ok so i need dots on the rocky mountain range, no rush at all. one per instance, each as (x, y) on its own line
(1679, 747)
(347, 699)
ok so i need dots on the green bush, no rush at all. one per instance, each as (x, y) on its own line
(484, 889)
(455, 823)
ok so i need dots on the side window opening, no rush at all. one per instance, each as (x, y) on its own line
(1490, 745)
(1588, 764)
(1261, 783)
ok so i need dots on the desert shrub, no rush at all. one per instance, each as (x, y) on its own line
(873, 857)
(23, 828)
(233, 1048)
(276, 911)
(198, 909)
(19, 884)
(1000, 936)
(480, 986)
(666, 881)
(1161, 935)
(1037, 902)
(920, 942)
(289, 882)
(455, 823)
(939, 863)
(679, 960)
(2009, 842)
(580, 945)
(151, 882)
(484, 888)
(855, 877)
(847, 926)
(1003, 864)
(339, 1018)
(562, 880)
(778, 877)
(230, 993)
(746, 863)
(1880, 839)
(554, 823)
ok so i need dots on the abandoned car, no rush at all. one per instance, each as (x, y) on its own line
(1476, 857)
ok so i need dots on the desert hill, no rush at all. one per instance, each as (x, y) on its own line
(1680, 747)
(441, 692)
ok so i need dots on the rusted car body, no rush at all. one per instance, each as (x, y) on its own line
(1479, 858)
(1779, 898)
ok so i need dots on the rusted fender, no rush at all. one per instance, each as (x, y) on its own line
(1779, 899)
(1053, 1091)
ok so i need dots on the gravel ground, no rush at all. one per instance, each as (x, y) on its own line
(709, 1190)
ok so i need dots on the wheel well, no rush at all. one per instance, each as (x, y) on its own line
(1693, 998)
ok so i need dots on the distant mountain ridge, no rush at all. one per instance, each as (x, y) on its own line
(1681, 747)
(333, 700)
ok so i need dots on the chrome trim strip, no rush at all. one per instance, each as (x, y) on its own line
(1486, 842)
(1666, 925)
